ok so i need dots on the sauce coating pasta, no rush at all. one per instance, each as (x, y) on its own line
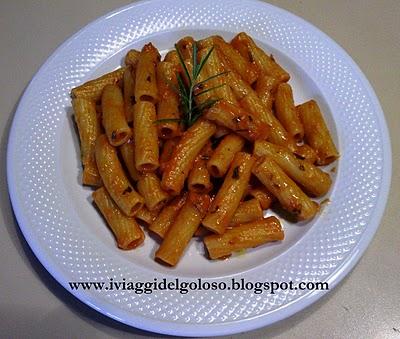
(203, 143)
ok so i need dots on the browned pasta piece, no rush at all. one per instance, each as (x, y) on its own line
(114, 178)
(183, 229)
(223, 155)
(265, 89)
(199, 177)
(127, 232)
(228, 197)
(149, 187)
(317, 133)
(313, 180)
(178, 167)
(286, 112)
(248, 235)
(89, 129)
(128, 155)
(290, 196)
(168, 105)
(146, 137)
(93, 89)
(238, 120)
(267, 64)
(114, 121)
(129, 93)
(132, 58)
(247, 211)
(167, 216)
(264, 197)
(146, 82)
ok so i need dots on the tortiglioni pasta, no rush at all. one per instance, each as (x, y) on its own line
(209, 139)
(114, 178)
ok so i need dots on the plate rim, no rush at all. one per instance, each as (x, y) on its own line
(217, 329)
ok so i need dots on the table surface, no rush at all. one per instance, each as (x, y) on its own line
(365, 304)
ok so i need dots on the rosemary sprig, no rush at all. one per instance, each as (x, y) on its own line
(188, 84)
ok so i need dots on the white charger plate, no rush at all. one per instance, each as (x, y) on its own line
(69, 237)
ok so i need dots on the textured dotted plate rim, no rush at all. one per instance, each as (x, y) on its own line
(230, 326)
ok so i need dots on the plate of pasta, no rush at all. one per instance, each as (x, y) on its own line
(242, 145)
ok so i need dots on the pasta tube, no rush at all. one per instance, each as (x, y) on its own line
(89, 129)
(286, 112)
(239, 87)
(278, 134)
(185, 46)
(114, 179)
(314, 181)
(265, 89)
(93, 89)
(249, 100)
(146, 216)
(172, 56)
(129, 93)
(212, 67)
(114, 120)
(199, 177)
(316, 132)
(183, 229)
(223, 155)
(248, 235)
(167, 151)
(132, 58)
(182, 159)
(247, 47)
(208, 42)
(149, 187)
(128, 155)
(146, 82)
(247, 70)
(290, 196)
(264, 197)
(167, 216)
(305, 152)
(146, 138)
(127, 232)
(238, 120)
(168, 105)
(228, 197)
(247, 211)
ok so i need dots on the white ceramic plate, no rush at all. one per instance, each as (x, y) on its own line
(69, 237)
